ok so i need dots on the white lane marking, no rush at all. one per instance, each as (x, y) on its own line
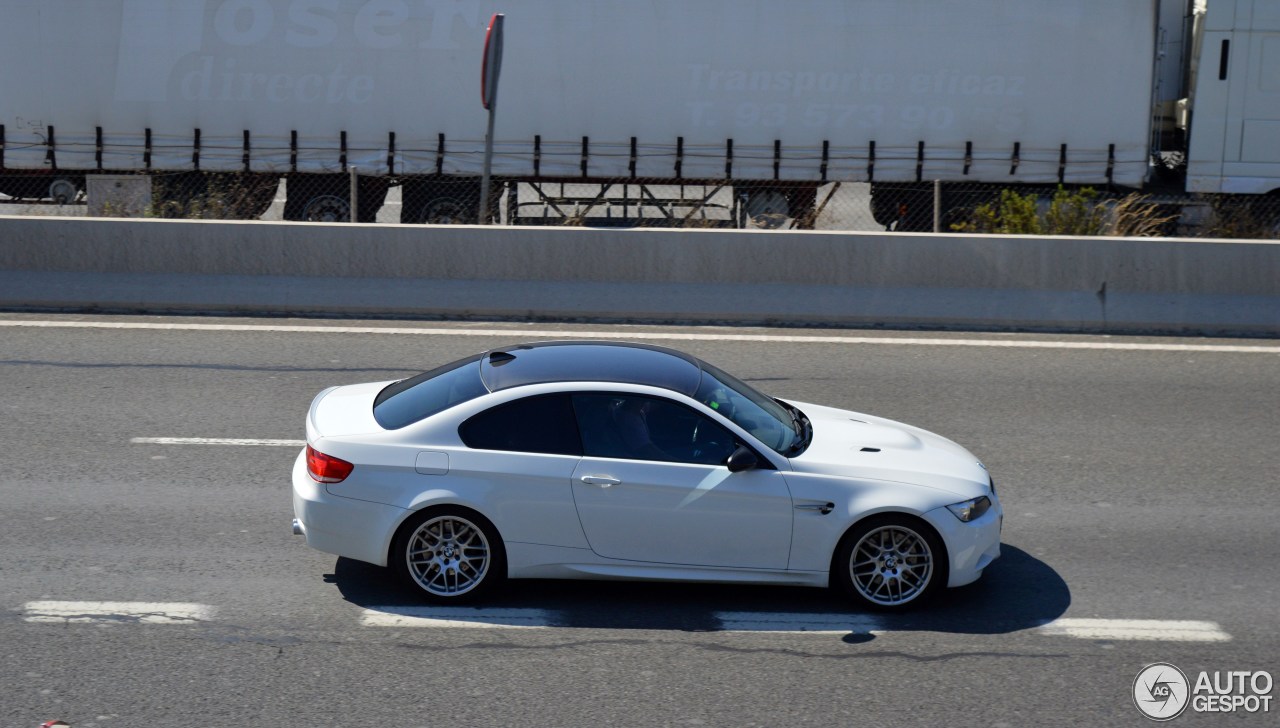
(483, 617)
(527, 334)
(798, 622)
(1159, 630)
(116, 612)
(1091, 629)
(214, 441)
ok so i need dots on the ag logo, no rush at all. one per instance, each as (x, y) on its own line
(1161, 691)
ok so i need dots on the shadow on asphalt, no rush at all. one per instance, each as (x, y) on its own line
(1017, 592)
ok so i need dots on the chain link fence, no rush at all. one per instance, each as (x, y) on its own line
(842, 205)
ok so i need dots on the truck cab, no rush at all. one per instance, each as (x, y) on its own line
(1235, 118)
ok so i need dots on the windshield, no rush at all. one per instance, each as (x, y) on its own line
(766, 419)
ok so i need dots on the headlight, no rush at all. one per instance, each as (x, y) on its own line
(970, 509)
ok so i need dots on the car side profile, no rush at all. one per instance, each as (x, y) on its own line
(611, 460)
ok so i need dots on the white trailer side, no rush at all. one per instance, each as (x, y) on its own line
(769, 75)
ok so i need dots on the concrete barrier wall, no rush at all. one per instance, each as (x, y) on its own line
(813, 278)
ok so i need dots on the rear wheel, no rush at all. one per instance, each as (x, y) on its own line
(774, 206)
(890, 563)
(768, 209)
(327, 198)
(326, 208)
(64, 191)
(449, 555)
(445, 201)
(902, 207)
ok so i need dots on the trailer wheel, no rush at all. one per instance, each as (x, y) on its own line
(767, 208)
(437, 201)
(326, 208)
(41, 185)
(325, 198)
(772, 206)
(316, 198)
(446, 211)
(902, 207)
(64, 191)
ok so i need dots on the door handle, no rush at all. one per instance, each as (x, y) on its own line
(603, 481)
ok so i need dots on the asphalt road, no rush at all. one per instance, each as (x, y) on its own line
(1139, 484)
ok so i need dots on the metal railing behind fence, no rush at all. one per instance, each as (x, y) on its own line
(629, 202)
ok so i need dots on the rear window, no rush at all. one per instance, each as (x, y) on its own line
(410, 400)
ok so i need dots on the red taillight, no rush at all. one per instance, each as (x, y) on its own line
(326, 468)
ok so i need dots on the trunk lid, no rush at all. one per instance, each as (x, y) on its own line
(343, 411)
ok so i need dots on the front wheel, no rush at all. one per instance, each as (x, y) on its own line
(449, 555)
(890, 563)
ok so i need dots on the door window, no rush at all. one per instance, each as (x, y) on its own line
(639, 427)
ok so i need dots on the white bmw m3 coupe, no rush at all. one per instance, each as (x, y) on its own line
(572, 460)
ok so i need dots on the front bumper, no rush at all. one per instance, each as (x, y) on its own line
(972, 546)
(356, 529)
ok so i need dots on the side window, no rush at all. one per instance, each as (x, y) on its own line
(636, 427)
(543, 424)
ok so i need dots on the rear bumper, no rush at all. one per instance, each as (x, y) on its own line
(347, 527)
(971, 546)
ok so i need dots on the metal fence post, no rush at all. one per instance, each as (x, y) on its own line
(937, 205)
(353, 199)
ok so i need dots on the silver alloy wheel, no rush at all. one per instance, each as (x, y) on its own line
(891, 565)
(448, 556)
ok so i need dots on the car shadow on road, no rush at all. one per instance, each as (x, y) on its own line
(1017, 592)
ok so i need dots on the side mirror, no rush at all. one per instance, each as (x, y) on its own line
(742, 459)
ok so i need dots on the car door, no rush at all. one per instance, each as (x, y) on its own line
(514, 465)
(652, 487)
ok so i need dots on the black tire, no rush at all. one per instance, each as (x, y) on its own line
(902, 207)
(66, 190)
(916, 567)
(326, 198)
(453, 540)
(58, 187)
(445, 201)
(770, 206)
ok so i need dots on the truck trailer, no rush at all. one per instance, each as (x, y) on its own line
(758, 106)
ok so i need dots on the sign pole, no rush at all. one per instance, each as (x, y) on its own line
(489, 71)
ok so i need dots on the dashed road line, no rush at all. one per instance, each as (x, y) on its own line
(57, 612)
(434, 617)
(215, 441)
(526, 334)
(793, 623)
(478, 617)
(1157, 630)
